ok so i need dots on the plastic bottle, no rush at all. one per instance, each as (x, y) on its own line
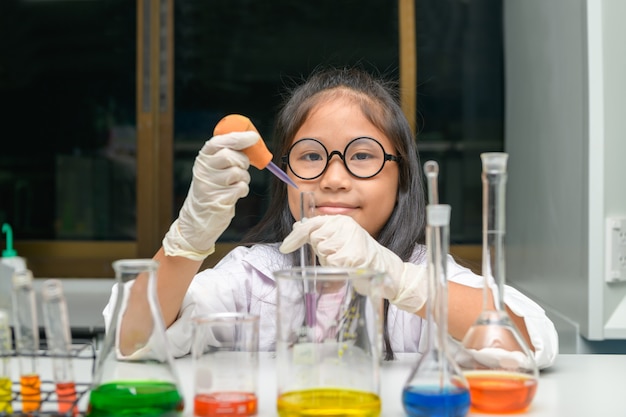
(10, 263)
(6, 383)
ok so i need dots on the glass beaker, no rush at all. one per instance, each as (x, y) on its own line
(328, 363)
(225, 352)
(436, 386)
(135, 373)
(497, 361)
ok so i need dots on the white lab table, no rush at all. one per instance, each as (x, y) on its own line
(577, 385)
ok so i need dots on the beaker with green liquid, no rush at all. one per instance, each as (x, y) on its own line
(328, 350)
(135, 373)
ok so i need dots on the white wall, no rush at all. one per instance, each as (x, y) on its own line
(565, 114)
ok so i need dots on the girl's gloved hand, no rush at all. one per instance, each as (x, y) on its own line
(340, 241)
(220, 178)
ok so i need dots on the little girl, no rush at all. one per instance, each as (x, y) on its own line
(342, 136)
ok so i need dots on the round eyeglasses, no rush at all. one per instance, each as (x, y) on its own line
(363, 158)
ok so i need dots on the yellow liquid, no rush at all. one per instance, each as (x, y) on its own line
(328, 402)
(5, 396)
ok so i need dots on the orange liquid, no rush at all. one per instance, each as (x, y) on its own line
(500, 392)
(66, 394)
(30, 388)
(225, 404)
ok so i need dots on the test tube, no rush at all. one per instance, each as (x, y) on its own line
(59, 338)
(5, 365)
(26, 339)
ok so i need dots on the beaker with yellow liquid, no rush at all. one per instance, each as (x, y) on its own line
(328, 361)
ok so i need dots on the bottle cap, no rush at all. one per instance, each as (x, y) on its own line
(9, 251)
(22, 278)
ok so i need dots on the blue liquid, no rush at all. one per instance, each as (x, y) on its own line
(425, 402)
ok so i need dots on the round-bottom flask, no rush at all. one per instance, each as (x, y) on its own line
(135, 373)
(436, 386)
(496, 360)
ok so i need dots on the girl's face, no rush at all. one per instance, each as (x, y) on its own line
(369, 201)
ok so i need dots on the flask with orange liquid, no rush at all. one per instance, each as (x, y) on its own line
(497, 361)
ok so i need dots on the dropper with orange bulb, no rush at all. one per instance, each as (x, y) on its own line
(260, 156)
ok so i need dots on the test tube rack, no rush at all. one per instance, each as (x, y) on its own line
(48, 406)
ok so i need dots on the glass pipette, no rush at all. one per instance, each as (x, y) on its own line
(260, 156)
(307, 259)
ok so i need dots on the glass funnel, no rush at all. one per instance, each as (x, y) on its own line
(134, 372)
(497, 361)
(436, 386)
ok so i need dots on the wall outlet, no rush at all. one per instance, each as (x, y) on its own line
(615, 269)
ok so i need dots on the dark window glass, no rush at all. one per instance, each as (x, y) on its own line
(67, 83)
(460, 100)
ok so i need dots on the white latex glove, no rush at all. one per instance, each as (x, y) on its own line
(220, 178)
(340, 241)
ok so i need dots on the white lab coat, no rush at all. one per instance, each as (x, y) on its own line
(243, 282)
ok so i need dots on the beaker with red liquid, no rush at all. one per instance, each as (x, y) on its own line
(225, 361)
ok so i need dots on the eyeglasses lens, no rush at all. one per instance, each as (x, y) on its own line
(364, 158)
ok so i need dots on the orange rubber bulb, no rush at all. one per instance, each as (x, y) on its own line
(258, 153)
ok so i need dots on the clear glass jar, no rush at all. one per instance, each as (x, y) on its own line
(329, 341)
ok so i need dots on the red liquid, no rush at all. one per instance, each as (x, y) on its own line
(500, 392)
(225, 404)
(30, 388)
(66, 394)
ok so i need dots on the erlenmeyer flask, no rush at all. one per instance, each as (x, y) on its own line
(135, 372)
(436, 386)
(497, 362)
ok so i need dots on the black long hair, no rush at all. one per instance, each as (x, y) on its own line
(379, 103)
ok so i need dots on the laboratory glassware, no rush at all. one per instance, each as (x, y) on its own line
(59, 344)
(26, 339)
(307, 210)
(496, 360)
(330, 365)
(307, 257)
(431, 170)
(225, 359)
(436, 385)
(134, 371)
(6, 395)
